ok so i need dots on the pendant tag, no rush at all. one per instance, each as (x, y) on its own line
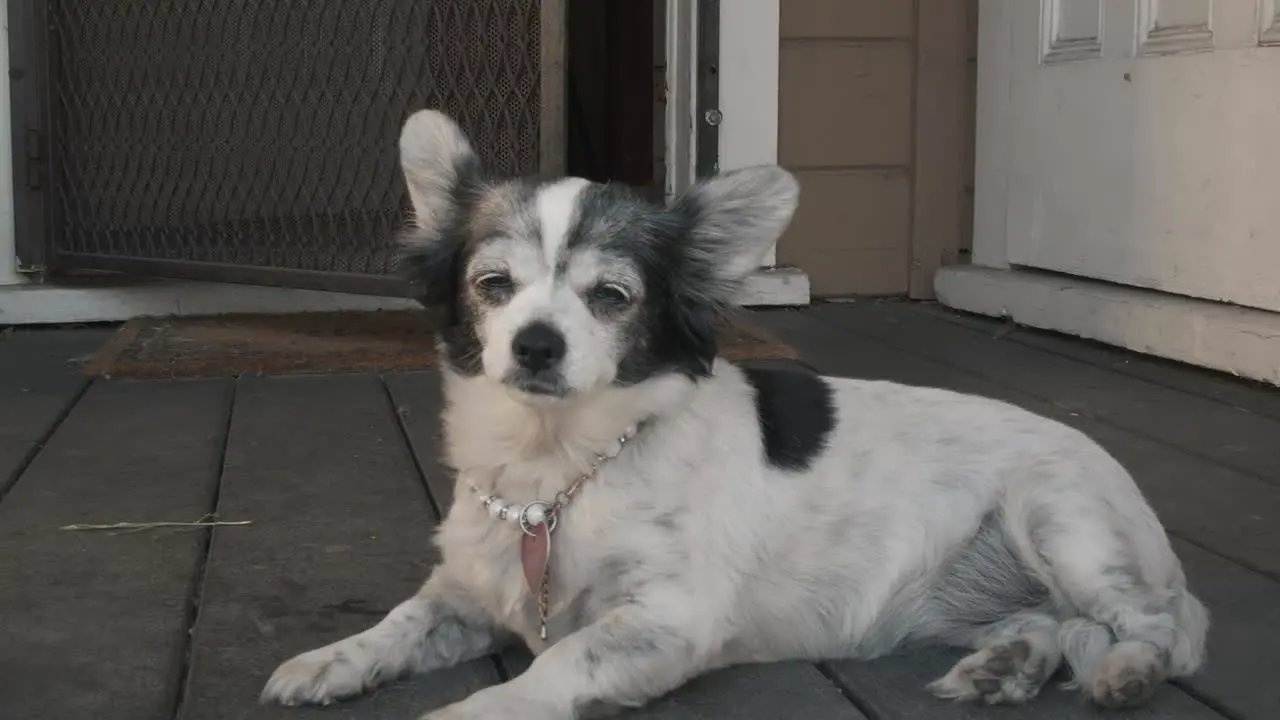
(535, 558)
(535, 554)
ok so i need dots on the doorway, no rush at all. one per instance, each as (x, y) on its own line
(613, 77)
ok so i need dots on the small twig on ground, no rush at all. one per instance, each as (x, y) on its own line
(206, 521)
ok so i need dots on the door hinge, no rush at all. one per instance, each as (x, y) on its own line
(35, 159)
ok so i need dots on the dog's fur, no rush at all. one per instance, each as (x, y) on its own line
(759, 515)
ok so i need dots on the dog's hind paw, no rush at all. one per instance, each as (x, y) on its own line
(1003, 674)
(1127, 676)
(318, 677)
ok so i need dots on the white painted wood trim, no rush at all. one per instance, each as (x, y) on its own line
(122, 300)
(680, 142)
(748, 135)
(749, 45)
(991, 163)
(776, 286)
(1241, 341)
(8, 241)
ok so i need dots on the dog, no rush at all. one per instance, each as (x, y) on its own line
(638, 511)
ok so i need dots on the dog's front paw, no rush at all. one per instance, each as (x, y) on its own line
(318, 677)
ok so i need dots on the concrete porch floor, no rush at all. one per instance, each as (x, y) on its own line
(339, 477)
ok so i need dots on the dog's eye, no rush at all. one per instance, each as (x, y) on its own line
(493, 282)
(611, 294)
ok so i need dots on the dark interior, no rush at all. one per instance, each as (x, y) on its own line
(612, 74)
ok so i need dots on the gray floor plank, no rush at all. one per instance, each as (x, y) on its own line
(341, 533)
(769, 692)
(1244, 640)
(1243, 394)
(39, 380)
(1224, 434)
(1233, 514)
(94, 625)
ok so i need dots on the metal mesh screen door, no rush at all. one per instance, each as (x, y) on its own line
(255, 140)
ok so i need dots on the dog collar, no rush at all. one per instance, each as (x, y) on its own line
(538, 519)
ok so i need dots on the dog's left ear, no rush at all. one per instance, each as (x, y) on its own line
(733, 220)
(443, 174)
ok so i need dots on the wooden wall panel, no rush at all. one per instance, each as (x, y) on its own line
(876, 118)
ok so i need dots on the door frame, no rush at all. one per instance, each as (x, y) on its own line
(24, 240)
(722, 88)
(8, 237)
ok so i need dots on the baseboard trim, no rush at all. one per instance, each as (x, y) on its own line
(778, 286)
(1238, 340)
(117, 299)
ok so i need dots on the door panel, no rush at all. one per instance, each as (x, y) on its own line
(1143, 144)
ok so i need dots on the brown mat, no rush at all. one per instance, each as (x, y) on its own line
(328, 342)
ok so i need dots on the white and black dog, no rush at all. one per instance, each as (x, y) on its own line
(705, 514)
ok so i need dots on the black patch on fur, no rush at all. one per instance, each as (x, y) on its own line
(673, 330)
(796, 413)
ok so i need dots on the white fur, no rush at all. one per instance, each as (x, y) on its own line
(557, 204)
(689, 551)
(430, 152)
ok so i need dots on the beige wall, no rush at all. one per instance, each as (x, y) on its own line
(873, 119)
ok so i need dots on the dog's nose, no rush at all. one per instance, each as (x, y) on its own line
(538, 346)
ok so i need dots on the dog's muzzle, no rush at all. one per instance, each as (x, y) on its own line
(539, 350)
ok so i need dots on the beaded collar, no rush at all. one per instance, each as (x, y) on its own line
(538, 519)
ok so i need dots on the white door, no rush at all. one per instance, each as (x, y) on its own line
(1135, 141)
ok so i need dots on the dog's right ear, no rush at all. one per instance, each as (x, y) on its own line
(443, 174)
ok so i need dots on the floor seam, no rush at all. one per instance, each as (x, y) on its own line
(408, 444)
(1243, 564)
(1013, 337)
(202, 564)
(37, 447)
(495, 660)
(858, 703)
(1206, 701)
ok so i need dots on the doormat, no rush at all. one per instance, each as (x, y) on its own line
(321, 342)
